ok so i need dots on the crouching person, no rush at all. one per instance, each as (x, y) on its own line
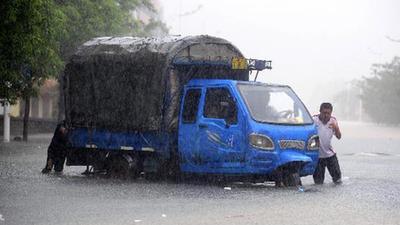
(56, 152)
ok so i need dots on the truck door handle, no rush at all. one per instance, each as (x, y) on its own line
(203, 125)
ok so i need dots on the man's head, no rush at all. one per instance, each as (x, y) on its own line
(325, 112)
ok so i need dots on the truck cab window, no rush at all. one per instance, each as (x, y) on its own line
(191, 105)
(220, 104)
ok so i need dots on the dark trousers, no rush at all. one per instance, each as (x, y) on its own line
(56, 158)
(333, 168)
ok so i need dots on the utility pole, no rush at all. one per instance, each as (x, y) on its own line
(6, 118)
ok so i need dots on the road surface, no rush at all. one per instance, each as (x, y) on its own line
(369, 156)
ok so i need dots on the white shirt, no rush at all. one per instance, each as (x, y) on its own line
(325, 133)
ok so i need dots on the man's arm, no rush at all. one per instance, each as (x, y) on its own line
(336, 130)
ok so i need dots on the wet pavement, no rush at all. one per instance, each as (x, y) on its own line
(369, 156)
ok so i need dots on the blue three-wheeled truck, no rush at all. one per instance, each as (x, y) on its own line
(178, 105)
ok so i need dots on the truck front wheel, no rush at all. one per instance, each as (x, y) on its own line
(291, 180)
(289, 175)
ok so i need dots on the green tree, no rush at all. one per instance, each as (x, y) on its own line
(28, 43)
(381, 92)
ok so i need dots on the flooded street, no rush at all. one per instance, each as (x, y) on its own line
(369, 156)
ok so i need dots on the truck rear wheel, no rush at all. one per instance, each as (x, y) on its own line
(123, 166)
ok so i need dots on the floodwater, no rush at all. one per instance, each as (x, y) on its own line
(369, 156)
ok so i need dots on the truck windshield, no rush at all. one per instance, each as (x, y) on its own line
(274, 104)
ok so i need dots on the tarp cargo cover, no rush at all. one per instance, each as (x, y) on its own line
(134, 84)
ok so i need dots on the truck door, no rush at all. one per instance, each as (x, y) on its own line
(188, 139)
(221, 139)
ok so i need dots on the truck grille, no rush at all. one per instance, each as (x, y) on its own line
(292, 144)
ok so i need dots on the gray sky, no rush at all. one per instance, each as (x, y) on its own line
(311, 43)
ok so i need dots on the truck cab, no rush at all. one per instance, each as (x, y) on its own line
(242, 127)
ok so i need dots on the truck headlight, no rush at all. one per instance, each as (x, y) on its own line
(261, 141)
(313, 143)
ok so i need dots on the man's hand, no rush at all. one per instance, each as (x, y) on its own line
(336, 130)
(63, 130)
